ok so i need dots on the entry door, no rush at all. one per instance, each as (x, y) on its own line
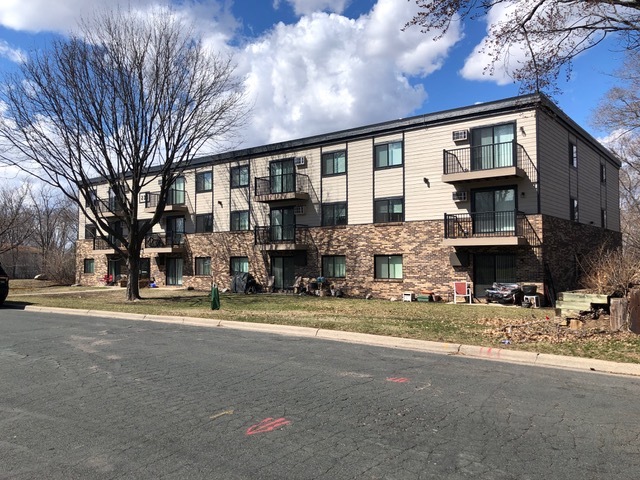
(282, 176)
(174, 271)
(283, 225)
(114, 268)
(494, 210)
(283, 272)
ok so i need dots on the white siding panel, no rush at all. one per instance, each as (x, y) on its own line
(334, 189)
(360, 182)
(388, 182)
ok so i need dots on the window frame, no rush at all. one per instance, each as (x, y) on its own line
(202, 266)
(233, 259)
(388, 201)
(333, 206)
(236, 177)
(237, 213)
(574, 212)
(573, 154)
(378, 275)
(200, 183)
(603, 173)
(332, 157)
(86, 263)
(333, 258)
(603, 218)
(92, 229)
(379, 146)
(209, 224)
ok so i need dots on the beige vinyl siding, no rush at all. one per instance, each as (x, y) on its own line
(553, 147)
(613, 198)
(203, 202)
(334, 189)
(312, 170)
(388, 182)
(221, 196)
(360, 182)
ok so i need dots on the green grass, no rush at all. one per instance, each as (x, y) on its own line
(474, 325)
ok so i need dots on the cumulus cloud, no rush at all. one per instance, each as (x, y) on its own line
(306, 7)
(328, 72)
(13, 54)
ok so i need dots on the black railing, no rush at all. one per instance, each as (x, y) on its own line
(285, 183)
(282, 234)
(485, 224)
(174, 197)
(483, 157)
(100, 243)
(164, 240)
(111, 205)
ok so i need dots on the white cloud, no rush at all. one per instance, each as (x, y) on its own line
(14, 54)
(328, 72)
(307, 7)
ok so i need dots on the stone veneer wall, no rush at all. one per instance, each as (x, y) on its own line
(566, 242)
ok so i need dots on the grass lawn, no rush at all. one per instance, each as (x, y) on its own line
(486, 325)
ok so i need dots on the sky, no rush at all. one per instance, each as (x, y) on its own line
(318, 66)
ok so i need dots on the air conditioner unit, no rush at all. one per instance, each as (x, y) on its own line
(459, 196)
(298, 210)
(460, 135)
(300, 161)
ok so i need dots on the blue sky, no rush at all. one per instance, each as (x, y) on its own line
(315, 66)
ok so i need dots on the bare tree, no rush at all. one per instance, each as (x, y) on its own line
(55, 232)
(550, 32)
(128, 102)
(15, 217)
(619, 112)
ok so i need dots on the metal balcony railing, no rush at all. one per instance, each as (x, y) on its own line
(485, 224)
(483, 157)
(285, 183)
(110, 205)
(164, 240)
(298, 234)
(174, 197)
(100, 243)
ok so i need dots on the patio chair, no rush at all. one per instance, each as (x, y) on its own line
(462, 289)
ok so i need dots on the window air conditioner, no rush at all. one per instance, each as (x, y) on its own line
(298, 210)
(300, 161)
(459, 196)
(460, 135)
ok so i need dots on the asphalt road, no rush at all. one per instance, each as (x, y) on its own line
(92, 398)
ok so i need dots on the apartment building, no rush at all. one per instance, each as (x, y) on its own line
(507, 191)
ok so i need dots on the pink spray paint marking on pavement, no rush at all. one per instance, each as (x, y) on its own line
(397, 379)
(267, 425)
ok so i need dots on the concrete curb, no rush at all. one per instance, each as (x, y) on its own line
(473, 351)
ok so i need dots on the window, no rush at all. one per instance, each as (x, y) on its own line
(240, 220)
(388, 266)
(493, 147)
(334, 266)
(239, 265)
(334, 214)
(388, 154)
(573, 214)
(388, 210)
(203, 266)
(240, 176)
(89, 265)
(603, 218)
(603, 173)
(204, 182)
(573, 154)
(90, 231)
(204, 223)
(334, 163)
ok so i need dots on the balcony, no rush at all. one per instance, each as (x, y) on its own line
(494, 161)
(109, 208)
(177, 201)
(288, 186)
(484, 229)
(101, 245)
(171, 242)
(287, 237)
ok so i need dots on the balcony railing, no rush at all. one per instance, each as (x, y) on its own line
(483, 157)
(100, 243)
(485, 224)
(110, 205)
(164, 240)
(174, 198)
(285, 183)
(279, 234)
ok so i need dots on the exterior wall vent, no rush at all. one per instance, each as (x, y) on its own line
(459, 196)
(460, 135)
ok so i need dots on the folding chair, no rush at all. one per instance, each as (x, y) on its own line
(461, 289)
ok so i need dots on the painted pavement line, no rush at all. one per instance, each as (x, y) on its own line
(485, 353)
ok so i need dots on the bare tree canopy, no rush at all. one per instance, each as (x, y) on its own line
(16, 225)
(548, 34)
(130, 100)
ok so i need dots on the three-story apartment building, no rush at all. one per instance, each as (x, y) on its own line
(507, 191)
